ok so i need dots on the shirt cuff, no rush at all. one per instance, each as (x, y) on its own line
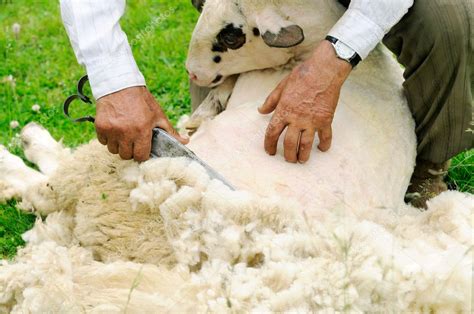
(112, 74)
(358, 32)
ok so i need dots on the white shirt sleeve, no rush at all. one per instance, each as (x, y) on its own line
(366, 22)
(100, 44)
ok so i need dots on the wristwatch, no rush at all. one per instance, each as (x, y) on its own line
(344, 52)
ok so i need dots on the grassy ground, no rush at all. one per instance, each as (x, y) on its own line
(45, 72)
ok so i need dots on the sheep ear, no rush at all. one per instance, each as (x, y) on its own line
(198, 4)
(277, 31)
(287, 37)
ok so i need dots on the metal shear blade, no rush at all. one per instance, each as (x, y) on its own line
(164, 145)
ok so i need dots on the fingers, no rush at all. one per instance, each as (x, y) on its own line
(274, 98)
(166, 125)
(325, 139)
(101, 135)
(306, 145)
(291, 143)
(113, 146)
(142, 148)
(274, 130)
(123, 148)
(277, 124)
(139, 150)
(102, 139)
(126, 150)
(162, 120)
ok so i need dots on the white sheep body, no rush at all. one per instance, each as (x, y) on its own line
(166, 238)
(370, 162)
(374, 145)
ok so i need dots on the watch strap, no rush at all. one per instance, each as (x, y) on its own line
(354, 60)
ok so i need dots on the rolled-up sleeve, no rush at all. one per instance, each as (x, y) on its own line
(366, 22)
(100, 44)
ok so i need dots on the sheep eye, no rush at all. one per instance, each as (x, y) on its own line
(233, 40)
(230, 38)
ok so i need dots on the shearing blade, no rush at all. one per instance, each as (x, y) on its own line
(164, 145)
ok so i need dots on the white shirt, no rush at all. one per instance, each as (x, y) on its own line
(366, 22)
(102, 47)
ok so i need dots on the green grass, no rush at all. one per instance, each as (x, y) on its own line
(13, 223)
(461, 173)
(45, 71)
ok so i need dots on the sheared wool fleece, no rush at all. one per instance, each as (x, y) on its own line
(162, 237)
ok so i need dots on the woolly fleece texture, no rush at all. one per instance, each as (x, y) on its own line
(162, 237)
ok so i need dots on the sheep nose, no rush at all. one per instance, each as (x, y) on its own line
(192, 76)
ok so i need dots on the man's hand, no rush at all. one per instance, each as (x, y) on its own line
(305, 103)
(125, 120)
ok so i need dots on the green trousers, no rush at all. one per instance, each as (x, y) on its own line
(434, 42)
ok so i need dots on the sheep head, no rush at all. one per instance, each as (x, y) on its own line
(233, 37)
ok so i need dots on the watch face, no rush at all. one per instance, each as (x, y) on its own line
(344, 51)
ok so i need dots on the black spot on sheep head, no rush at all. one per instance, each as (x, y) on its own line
(229, 38)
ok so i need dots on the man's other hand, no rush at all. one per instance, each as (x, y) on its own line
(305, 103)
(125, 121)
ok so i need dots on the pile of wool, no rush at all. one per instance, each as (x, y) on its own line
(169, 239)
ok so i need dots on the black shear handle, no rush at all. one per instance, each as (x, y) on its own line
(79, 96)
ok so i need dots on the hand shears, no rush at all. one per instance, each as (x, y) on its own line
(163, 144)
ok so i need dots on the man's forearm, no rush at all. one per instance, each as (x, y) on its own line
(100, 44)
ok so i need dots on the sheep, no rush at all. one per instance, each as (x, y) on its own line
(331, 235)
(372, 125)
(161, 236)
(231, 38)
